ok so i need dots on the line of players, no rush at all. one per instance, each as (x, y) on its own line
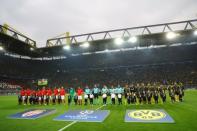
(147, 94)
(142, 94)
(42, 96)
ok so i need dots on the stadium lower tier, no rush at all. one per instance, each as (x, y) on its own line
(185, 72)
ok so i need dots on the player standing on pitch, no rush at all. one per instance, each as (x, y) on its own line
(91, 98)
(104, 94)
(113, 96)
(79, 95)
(72, 93)
(120, 91)
(96, 94)
(62, 94)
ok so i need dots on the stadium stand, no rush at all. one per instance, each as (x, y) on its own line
(155, 57)
(177, 63)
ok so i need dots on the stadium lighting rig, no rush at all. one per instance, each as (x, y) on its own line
(66, 47)
(1, 48)
(195, 32)
(85, 45)
(10, 31)
(133, 39)
(171, 35)
(119, 41)
(103, 41)
(31, 49)
(173, 27)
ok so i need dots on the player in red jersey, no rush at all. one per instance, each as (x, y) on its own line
(44, 93)
(62, 94)
(55, 92)
(39, 95)
(49, 94)
(79, 94)
(28, 94)
(22, 94)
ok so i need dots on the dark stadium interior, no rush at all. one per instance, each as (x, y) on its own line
(143, 61)
(178, 63)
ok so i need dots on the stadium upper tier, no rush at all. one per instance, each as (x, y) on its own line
(173, 63)
(167, 34)
(128, 59)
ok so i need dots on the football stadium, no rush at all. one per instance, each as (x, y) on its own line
(138, 78)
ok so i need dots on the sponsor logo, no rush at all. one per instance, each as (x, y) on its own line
(84, 115)
(86, 112)
(33, 113)
(147, 114)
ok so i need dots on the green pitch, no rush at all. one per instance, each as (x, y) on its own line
(184, 114)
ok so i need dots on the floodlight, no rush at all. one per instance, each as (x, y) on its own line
(133, 39)
(195, 32)
(118, 41)
(31, 49)
(171, 35)
(66, 47)
(85, 45)
(1, 48)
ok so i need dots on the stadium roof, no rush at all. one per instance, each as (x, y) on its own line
(143, 36)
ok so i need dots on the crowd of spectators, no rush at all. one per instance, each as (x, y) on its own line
(164, 65)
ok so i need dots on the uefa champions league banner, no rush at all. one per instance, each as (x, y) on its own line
(84, 115)
(148, 116)
(32, 114)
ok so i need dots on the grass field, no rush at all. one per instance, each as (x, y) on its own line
(184, 114)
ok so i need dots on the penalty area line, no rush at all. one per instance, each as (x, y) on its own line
(72, 123)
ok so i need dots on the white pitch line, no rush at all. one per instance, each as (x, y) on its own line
(75, 121)
(67, 126)
(99, 107)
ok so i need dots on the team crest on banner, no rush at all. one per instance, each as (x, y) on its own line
(148, 115)
(32, 114)
(84, 115)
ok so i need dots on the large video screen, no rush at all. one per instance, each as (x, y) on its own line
(42, 82)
